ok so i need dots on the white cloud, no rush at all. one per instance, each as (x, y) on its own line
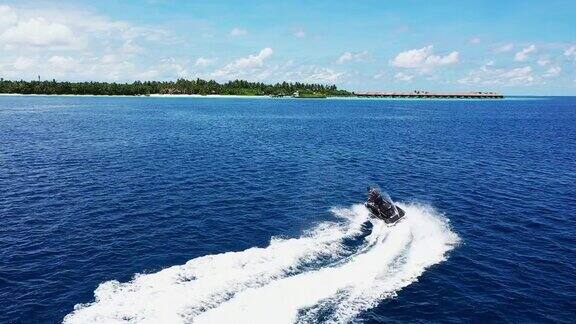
(258, 67)
(130, 47)
(323, 75)
(523, 54)
(486, 75)
(286, 71)
(310, 73)
(28, 28)
(63, 63)
(110, 58)
(570, 51)
(203, 61)
(73, 44)
(245, 66)
(522, 75)
(413, 58)
(400, 76)
(300, 33)
(423, 58)
(553, 71)
(52, 26)
(543, 61)
(379, 75)
(475, 40)
(253, 60)
(23, 63)
(38, 32)
(504, 48)
(238, 32)
(435, 60)
(9, 18)
(99, 28)
(168, 68)
(349, 56)
(61, 60)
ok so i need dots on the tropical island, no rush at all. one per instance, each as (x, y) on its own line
(211, 87)
(179, 87)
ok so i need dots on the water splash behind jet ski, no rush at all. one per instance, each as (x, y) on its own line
(382, 207)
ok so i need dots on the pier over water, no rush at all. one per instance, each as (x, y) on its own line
(431, 95)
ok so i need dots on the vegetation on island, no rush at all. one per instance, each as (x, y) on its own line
(181, 86)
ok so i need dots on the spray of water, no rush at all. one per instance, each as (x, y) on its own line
(317, 276)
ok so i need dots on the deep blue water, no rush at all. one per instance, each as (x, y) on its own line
(98, 189)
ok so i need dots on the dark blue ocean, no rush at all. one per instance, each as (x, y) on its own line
(161, 210)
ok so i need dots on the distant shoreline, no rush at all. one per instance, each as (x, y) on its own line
(197, 96)
(198, 88)
(178, 87)
(130, 96)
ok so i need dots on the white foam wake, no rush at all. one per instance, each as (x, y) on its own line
(291, 280)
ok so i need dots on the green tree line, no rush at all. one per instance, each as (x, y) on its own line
(181, 86)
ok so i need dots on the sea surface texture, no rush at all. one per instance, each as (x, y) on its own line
(181, 210)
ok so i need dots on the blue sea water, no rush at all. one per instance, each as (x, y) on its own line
(142, 201)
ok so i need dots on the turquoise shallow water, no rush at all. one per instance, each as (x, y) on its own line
(100, 189)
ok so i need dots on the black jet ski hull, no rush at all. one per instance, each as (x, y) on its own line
(391, 218)
(394, 219)
(383, 207)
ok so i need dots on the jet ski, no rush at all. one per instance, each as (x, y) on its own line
(383, 207)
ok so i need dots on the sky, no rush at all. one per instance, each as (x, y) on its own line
(521, 47)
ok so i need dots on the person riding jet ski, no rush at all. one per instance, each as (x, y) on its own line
(383, 208)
